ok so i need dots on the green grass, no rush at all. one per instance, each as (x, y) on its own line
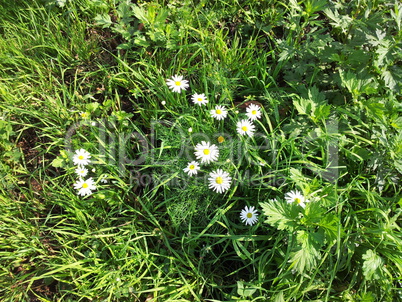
(327, 77)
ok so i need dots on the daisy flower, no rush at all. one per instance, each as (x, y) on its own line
(192, 168)
(253, 112)
(85, 187)
(219, 112)
(219, 181)
(296, 197)
(206, 152)
(177, 84)
(199, 99)
(245, 127)
(81, 157)
(81, 171)
(249, 215)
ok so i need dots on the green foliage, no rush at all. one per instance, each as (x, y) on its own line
(92, 74)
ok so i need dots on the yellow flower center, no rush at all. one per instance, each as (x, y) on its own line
(249, 215)
(85, 185)
(254, 112)
(297, 200)
(244, 128)
(221, 139)
(80, 157)
(199, 99)
(177, 83)
(206, 151)
(219, 180)
(191, 167)
(218, 111)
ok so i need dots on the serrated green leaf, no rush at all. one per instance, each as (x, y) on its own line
(390, 80)
(306, 257)
(103, 20)
(372, 266)
(281, 215)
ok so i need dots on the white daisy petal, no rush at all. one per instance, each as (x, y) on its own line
(219, 181)
(199, 99)
(85, 187)
(245, 127)
(177, 84)
(296, 197)
(81, 157)
(249, 215)
(253, 112)
(219, 112)
(192, 168)
(206, 152)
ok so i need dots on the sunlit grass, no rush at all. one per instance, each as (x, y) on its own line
(330, 128)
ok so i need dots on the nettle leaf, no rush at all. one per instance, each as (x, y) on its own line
(280, 214)
(372, 266)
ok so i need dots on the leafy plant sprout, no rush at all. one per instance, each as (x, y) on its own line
(249, 215)
(177, 83)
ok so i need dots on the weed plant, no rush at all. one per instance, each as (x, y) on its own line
(98, 138)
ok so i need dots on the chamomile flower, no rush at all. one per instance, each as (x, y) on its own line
(177, 84)
(245, 127)
(219, 112)
(81, 171)
(199, 99)
(85, 187)
(192, 168)
(81, 157)
(206, 152)
(296, 197)
(253, 112)
(219, 181)
(249, 215)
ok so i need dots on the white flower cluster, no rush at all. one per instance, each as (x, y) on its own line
(206, 153)
(85, 187)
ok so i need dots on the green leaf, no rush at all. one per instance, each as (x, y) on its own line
(372, 266)
(244, 291)
(281, 215)
(103, 20)
(306, 257)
